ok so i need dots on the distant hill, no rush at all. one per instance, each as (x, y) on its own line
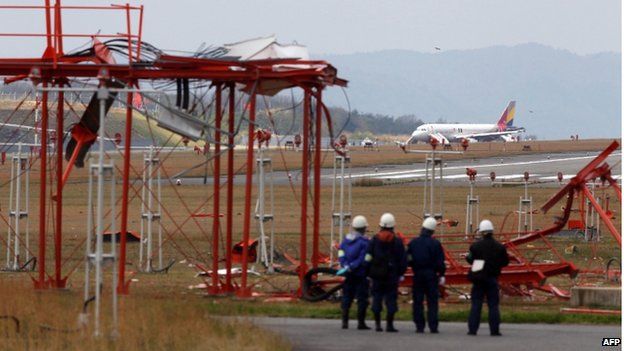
(568, 93)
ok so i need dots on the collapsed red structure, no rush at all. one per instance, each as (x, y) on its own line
(523, 273)
(56, 69)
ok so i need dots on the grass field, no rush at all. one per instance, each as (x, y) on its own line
(146, 323)
(165, 302)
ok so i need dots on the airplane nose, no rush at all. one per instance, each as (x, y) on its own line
(416, 136)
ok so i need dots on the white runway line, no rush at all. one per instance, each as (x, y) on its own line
(420, 172)
(565, 177)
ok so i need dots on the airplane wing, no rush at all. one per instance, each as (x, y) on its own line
(490, 135)
(440, 138)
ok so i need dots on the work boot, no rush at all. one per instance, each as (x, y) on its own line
(362, 320)
(378, 322)
(345, 319)
(390, 324)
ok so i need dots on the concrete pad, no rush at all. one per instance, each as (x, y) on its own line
(596, 296)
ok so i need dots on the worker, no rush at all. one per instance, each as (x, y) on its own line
(351, 255)
(426, 257)
(487, 257)
(387, 264)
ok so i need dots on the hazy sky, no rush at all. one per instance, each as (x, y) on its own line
(581, 26)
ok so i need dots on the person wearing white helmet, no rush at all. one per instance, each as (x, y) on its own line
(386, 257)
(487, 257)
(351, 255)
(426, 257)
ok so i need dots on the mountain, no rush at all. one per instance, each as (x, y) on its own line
(567, 93)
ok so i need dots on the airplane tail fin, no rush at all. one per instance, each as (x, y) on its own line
(507, 117)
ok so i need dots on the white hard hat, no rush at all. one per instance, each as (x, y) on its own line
(387, 221)
(486, 226)
(430, 223)
(359, 222)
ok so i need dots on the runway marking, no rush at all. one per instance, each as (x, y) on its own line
(416, 172)
(446, 177)
(515, 176)
(565, 177)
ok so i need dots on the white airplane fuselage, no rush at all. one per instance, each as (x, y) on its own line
(450, 131)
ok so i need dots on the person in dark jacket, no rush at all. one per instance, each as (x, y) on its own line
(487, 257)
(387, 264)
(351, 255)
(426, 257)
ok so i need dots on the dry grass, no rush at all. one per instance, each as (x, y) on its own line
(147, 323)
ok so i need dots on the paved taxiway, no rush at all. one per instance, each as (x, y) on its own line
(326, 335)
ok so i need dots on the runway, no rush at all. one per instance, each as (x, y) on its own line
(542, 168)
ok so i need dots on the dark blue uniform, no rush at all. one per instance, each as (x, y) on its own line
(485, 282)
(426, 257)
(387, 247)
(351, 254)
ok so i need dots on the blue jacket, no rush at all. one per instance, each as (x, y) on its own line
(426, 253)
(389, 245)
(351, 254)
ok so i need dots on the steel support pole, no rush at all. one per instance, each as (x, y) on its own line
(244, 291)
(317, 179)
(40, 283)
(305, 170)
(216, 173)
(99, 223)
(616, 235)
(58, 28)
(48, 20)
(230, 189)
(58, 281)
(122, 286)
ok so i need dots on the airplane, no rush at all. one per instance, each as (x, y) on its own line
(444, 133)
(367, 143)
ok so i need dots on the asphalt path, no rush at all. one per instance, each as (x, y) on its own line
(326, 335)
(542, 168)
